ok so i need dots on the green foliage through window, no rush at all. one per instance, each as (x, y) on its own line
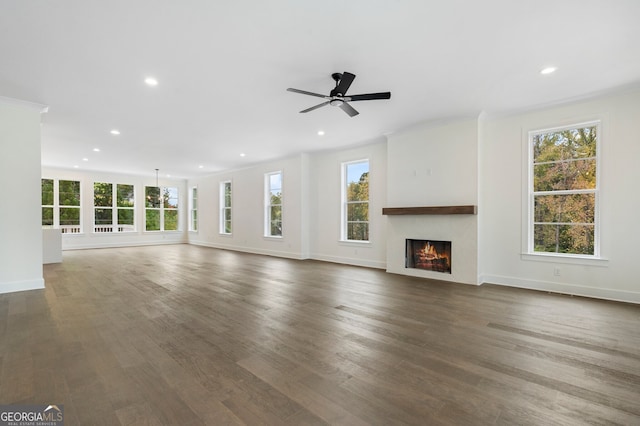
(564, 190)
(161, 208)
(356, 213)
(274, 204)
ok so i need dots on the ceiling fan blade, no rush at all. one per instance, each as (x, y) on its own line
(349, 109)
(345, 82)
(315, 107)
(369, 96)
(304, 92)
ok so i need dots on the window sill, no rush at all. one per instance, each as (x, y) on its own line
(567, 259)
(108, 234)
(354, 242)
(273, 237)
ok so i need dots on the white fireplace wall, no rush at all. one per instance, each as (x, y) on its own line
(434, 165)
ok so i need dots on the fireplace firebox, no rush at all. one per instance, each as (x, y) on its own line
(429, 255)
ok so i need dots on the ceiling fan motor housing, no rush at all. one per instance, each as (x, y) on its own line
(337, 96)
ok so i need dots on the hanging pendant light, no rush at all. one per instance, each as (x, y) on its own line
(156, 198)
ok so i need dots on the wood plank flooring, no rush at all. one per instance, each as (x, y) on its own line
(186, 335)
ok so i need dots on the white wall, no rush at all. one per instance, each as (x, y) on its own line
(247, 209)
(325, 201)
(89, 239)
(20, 217)
(502, 185)
(434, 165)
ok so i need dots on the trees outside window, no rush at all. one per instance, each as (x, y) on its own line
(273, 204)
(355, 201)
(161, 208)
(61, 205)
(69, 205)
(125, 207)
(114, 207)
(563, 190)
(225, 207)
(48, 204)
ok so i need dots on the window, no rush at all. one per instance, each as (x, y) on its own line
(273, 204)
(193, 208)
(110, 216)
(61, 205)
(161, 208)
(102, 207)
(47, 203)
(69, 205)
(563, 190)
(125, 208)
(225, 207)
(355, 201)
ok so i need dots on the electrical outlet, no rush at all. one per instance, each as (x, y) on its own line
(556, 272)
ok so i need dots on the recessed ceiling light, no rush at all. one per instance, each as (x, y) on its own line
(168, 175)
(201, 166)
(76, 166)
(548, 70)
(96, 149)
(320, 132)
(85, 159)
(151, 81)
(242, 154)
(115, 132)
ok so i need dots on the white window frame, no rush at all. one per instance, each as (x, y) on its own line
(193, 209)
(268, 206)
(224, 208)
(344, 203)
(115, 226)
(65, 229)
(162, 209)
(530, 203)
(53, 208)
(118, 208)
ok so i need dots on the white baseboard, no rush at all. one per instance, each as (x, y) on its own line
(572, 289)
(13, 286)
(349, 261)
(122, 244)
(251, 250)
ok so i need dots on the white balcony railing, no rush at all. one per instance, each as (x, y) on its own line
(70, 229)
(98, 229)
(103, 229)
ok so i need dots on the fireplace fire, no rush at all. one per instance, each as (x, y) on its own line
(429, 255)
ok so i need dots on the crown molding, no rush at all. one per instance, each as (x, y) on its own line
(24, 104)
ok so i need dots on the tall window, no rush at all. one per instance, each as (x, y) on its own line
(563, 190)
(110, 216)
(125, 207)
(161, 208)
(193, 209)
(273, 204)
(225, 207)
(47, 203)
(69, 205)
(61, 205)
(355, 201)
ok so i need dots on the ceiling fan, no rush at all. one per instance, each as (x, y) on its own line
(338, 96)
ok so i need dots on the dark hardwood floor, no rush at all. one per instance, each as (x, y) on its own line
(186, 335)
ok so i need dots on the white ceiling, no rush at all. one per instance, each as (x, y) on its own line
(223, 67)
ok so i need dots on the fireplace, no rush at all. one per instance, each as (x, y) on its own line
(429, 255)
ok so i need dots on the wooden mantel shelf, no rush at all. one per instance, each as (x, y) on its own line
(430, 210)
